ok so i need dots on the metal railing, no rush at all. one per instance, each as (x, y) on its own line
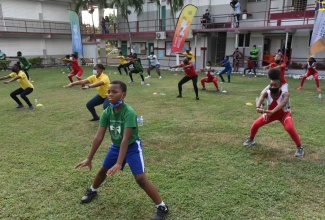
(293, 15)
(29, 26)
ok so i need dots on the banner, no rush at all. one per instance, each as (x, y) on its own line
(317, 42)
(75, 32)
(183, 27)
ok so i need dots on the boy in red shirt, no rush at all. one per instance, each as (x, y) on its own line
(311, 70)
(190, 74)
(76, 69)
(278, 109)
(250, 66)
(211, 76)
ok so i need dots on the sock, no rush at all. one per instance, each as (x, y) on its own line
(161, 204)
(92, 189)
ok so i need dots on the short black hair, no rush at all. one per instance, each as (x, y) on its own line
(274, 74)
(100, 66)
(17, 65)
(209, 62)
(67, 56)
(19, 53)
(74, 55)
(122, 85)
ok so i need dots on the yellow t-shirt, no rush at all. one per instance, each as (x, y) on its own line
(102, 90)
(122, 60)
(23, 81)
(190, 56)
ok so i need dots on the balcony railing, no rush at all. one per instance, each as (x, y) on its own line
(37, 27)
(288, 16)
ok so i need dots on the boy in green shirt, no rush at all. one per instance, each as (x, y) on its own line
(126, 147)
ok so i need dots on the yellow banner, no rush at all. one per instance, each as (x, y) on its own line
(183, 27)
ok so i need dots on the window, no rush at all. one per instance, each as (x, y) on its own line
(243, 40)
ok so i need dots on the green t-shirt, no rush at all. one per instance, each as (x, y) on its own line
(117, 122)
(254, 53)
(137, 64)
(26, 64)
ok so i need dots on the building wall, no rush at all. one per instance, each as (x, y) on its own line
(33, 45)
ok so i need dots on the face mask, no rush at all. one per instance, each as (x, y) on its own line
(274, 90)
(95, 72)
(117, 104)
(208, 67)
(277, 61)
(310, 63)
(71, 58)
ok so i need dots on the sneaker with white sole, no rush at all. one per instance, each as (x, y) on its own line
(142, 82)
(160, 77)
(300, 152)
(131, 81)
(89, 195)
(249, 142)
(147, 77)
(161, 213)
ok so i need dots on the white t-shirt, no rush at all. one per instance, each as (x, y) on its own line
(237, 8)
(153, 62)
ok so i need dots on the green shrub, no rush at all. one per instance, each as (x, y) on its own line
(36, 61)
(4, 64)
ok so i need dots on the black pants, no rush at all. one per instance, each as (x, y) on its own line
(124, 66)
(185, 80)
(136, 71)
(237, 16)
(23, 94)
(26, 74)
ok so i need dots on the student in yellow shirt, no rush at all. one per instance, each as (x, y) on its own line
(190, 56)
(25, 89)
(100, 81)
(123, 63)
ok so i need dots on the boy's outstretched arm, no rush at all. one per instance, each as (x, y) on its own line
(95, 145)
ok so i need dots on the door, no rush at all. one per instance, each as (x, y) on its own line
(124, 48)
(150, 49)
(163, 18)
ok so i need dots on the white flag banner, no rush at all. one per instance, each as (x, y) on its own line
(317, 42)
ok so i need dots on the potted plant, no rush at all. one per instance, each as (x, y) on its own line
(244, 15)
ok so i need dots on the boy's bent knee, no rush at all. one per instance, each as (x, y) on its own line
(141, 180)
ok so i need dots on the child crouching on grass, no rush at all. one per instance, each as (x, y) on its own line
(121, 121)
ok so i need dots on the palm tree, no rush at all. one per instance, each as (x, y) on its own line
(175, 6)
(124, 5)
(85, 3)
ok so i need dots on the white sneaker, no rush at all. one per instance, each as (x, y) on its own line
(243, 75)
(148, 77)
(142, 83)
(160, 77)
(131, 81)
(255, 76)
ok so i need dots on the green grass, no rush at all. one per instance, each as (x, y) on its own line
(193, 153)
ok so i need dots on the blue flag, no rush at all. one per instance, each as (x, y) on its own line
(75, 32)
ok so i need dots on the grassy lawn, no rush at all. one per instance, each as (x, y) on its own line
(193, 153)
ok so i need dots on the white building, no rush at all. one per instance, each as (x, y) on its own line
(269, 24)
(36, 28)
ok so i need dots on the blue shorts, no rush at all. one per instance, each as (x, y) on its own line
(133, 157)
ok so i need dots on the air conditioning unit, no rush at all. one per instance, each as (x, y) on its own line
(160, 35)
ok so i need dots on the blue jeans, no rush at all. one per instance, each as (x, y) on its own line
(250, 69)
(228, 70)
(97, 100)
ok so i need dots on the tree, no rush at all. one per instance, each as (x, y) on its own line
(124, 6)
(175, 6)
(84, 4)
